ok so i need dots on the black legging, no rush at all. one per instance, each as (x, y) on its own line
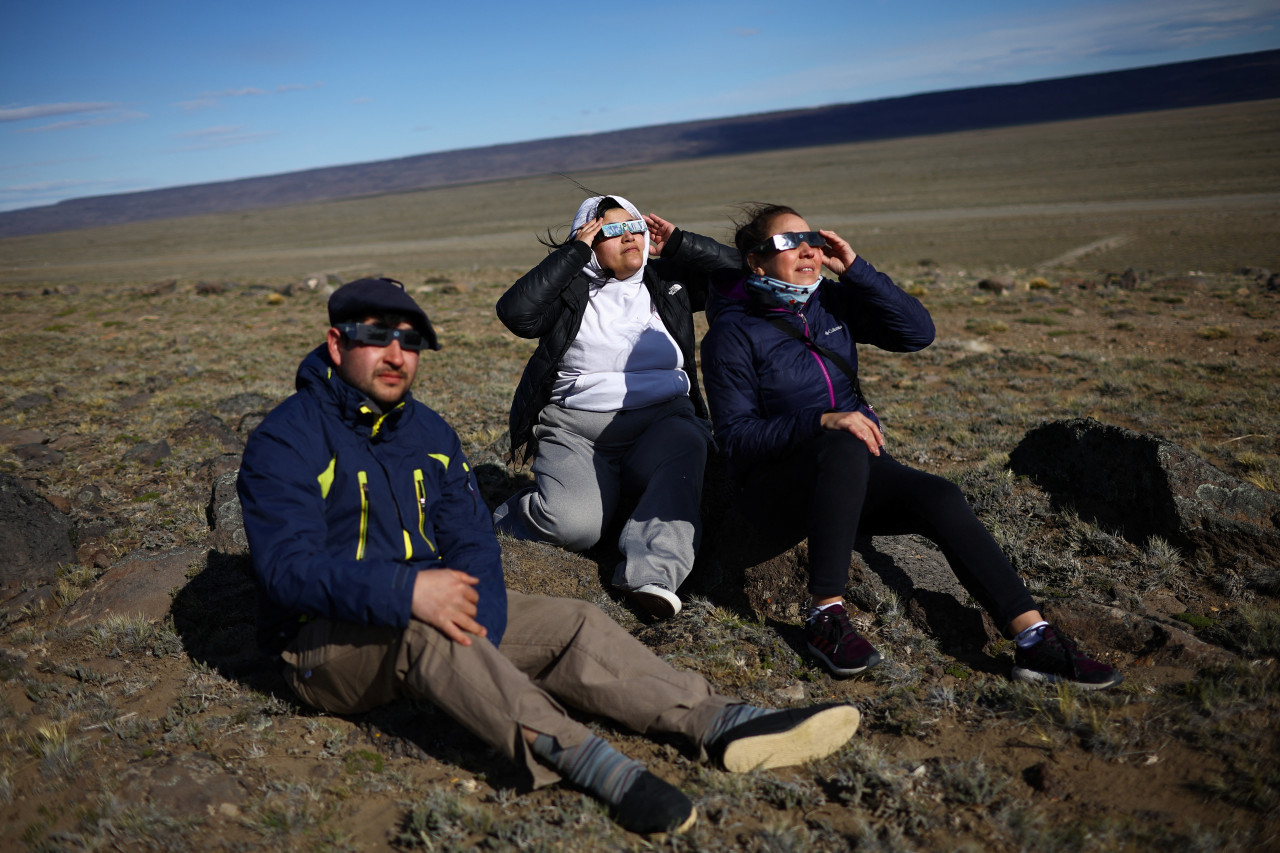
(834, 488)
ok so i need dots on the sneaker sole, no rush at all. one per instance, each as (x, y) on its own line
(816, 737)
(655, 605)
(844, 672)
(1032, 676)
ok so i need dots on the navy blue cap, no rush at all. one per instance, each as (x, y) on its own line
(366, 297)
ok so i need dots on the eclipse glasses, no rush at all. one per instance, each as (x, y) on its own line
(790, 240)
(381, 336)
(617, 229)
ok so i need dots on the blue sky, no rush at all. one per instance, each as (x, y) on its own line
(108, 97)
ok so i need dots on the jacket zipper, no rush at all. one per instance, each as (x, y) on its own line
(364, 512)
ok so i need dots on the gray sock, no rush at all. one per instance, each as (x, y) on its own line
(592, 765)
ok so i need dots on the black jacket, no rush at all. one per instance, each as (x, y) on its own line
(548, 303)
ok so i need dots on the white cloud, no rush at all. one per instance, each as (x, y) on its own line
(226, 136)
(96, 121)
(47, 110)
(1024, 48)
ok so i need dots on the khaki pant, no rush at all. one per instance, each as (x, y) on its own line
(552, 647)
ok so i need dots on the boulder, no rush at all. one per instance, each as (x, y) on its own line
(225, 518)
(143, 584)
(1142, 486)
(34, 538)
(1000, 284)
(209, 428)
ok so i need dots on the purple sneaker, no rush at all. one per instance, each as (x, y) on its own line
(834, 641)
(1057, 658)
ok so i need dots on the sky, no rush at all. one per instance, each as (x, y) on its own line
(98, 98)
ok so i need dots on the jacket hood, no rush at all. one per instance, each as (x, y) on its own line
(593, 268)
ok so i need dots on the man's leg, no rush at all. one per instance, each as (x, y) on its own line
(578, 654)
(582, 657)
(344, 668)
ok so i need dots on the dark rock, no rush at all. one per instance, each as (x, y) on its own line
(142, 585)
(34, 538)
(161, 287)
(13, 436)
(225, 518)
(210, 428)
(134, 401)
(29, 401)
(211, 469)
(37, 456)
(1143, 486)
(250, 422)
(88, 496)
(239, 405)
(1273, 283)
(210, 288)
(1255, 273)
(148, 454)
(1000, 284)
(1111, 630)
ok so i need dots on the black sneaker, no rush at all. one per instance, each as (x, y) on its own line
(650, 806)
(1057, 658)
(834, 641)
(784, 738)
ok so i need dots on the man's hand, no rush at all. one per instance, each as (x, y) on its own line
(860, 425)
(660, 231)
(446, 599)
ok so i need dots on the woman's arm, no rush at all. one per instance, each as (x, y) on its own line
(879, 312)
(530, 307)
(741, 426)
(698, 261)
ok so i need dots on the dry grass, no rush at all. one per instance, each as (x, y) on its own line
(1174, 758)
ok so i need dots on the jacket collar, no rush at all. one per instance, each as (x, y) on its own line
(318, 376)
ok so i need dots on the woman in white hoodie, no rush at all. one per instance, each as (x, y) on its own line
(609, 407)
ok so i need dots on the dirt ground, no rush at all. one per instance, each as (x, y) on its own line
(170, 734)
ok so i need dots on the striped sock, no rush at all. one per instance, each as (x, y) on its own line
(730, 716)
(592, 765)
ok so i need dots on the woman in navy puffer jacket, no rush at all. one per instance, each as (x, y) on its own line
(780, 363)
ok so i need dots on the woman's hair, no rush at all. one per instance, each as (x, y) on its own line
(606, 204)
(754, 226)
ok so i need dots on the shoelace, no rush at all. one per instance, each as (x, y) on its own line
(1069, 648)
(836, 629)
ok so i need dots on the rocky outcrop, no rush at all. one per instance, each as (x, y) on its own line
(34, 538)
(226, 522)
(1143, 486)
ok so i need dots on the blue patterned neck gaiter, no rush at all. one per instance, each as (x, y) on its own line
(774, 293)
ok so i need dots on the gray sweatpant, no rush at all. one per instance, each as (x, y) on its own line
(587, 461)
(552, 647)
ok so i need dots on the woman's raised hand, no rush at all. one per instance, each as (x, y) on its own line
(588, 230)
(857, 423)
(837, 255)
(660, 231)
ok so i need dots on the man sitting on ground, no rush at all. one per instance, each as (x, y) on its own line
(379, 577)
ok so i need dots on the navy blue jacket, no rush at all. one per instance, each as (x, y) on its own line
(767, 391)
(343, 506)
